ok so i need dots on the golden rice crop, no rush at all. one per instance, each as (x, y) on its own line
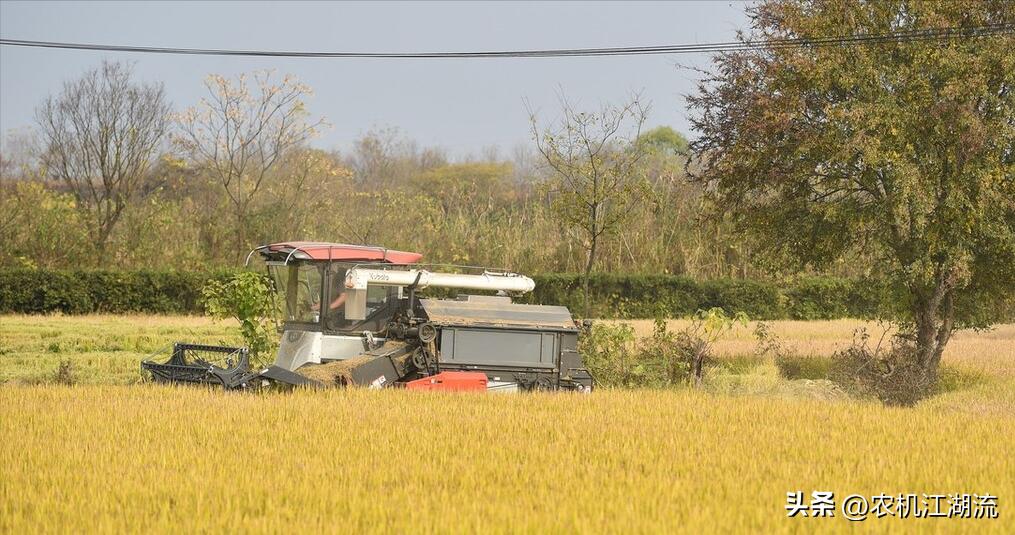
(148, 458)
(117, 457)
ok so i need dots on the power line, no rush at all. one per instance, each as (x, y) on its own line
(933, 34)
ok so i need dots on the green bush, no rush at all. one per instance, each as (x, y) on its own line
(35, 292)
(247, 296)
(621, 296)
(607, 351)
(617, 359)
(666, 359)
(791, 364)
(756, 299)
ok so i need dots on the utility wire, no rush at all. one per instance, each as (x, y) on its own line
(934, 34)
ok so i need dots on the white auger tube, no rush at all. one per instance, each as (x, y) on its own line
(357, 281)
(360, 278)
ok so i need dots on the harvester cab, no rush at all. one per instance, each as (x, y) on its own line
(354, 315)
(322, 319)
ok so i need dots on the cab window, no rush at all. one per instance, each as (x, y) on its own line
(380, 305)
(298, 291)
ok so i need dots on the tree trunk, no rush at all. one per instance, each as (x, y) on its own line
(100, 242)
(241, 231)
(934, 322)
(97, 236)
(102, 239)
(593, 230)
(588, 273)
(699, 360)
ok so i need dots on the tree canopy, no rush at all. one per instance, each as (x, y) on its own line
(897, 154)
(666, 140)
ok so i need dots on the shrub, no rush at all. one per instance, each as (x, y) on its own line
(795, 366)
(606, 351)
(695, 341)
(770, 345)
(249, 298)
(820, 298)
(39, 291)
(666, 358)
(646, 296)
(890, 374)
(65, 374)
(790, 363)
(823, 298)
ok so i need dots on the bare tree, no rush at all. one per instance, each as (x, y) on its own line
(384, 158)
(102, 134)
(596, 178)
(19, 155)
(238, 134)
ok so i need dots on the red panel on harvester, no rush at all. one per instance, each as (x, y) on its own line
(451, 382)
(343, 251)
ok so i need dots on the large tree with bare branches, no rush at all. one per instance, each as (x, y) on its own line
(596, 179)
(239, 133)
(101, 135)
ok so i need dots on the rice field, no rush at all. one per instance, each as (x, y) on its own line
(107, 455)
(103, 349)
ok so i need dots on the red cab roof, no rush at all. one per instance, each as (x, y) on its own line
(339, 251)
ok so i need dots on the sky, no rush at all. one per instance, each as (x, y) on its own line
(460, 105)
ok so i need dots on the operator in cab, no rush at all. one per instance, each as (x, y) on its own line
(334, 316)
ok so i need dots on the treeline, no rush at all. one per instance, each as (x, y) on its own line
(388, 191)
(36, 291)
(196, 198)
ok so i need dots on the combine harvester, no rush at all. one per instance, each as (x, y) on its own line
(353, 316)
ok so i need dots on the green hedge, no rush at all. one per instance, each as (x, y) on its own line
(648, 296)
(613, 296)
(80, 292)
